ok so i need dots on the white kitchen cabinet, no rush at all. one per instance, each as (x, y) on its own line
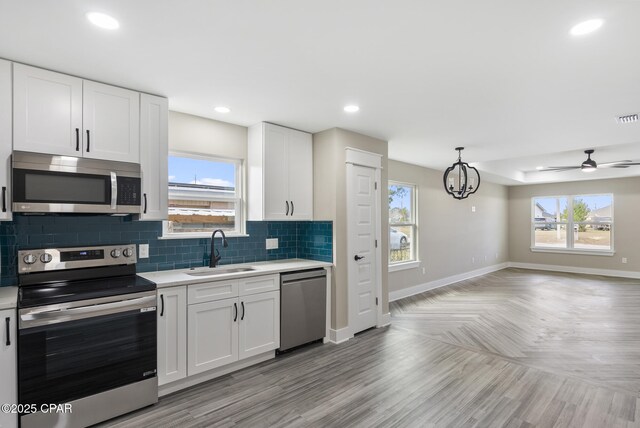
(8, 368)
(280, 173)
(259, 324)
(111, 120)
(154, 153)
(65, 115)
(47, 111)
(5, 140)
(172, 334)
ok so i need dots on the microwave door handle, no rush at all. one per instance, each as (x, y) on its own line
(114, 190)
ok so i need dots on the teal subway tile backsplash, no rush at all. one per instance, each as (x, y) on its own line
(303, 239)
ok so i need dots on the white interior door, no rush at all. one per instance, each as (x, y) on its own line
(362, 234)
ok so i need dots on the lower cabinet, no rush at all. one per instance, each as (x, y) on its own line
(172, 334)
(205, 326)
(8, 368)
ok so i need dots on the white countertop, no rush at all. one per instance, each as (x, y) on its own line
(8, 297)
(171, 278)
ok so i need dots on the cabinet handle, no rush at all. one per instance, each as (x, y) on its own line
(242, 317)
(292, 208)
(287, 213)
(162, 303)
(8, 321)
(77, 139)
(88, 141)
(4, 199)
(145, 203)
(235, 316)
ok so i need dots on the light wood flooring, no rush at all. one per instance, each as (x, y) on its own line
(515, 348)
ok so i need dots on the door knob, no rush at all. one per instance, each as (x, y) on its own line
(357, 257)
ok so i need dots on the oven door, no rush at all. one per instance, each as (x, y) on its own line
(78, 349)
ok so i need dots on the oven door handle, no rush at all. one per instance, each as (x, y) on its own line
(57, 315)
(114, 190)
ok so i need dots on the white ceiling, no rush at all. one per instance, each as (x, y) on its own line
(501, 77)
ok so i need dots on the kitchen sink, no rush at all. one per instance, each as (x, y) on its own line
(220, 271)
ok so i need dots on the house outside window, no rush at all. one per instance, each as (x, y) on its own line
(573, 223)
(402, 226)
(204, 194)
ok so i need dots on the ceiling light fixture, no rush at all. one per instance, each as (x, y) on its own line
(103, 20)
(586, 27)
(460, 179)
(351, 108)
(222, 109)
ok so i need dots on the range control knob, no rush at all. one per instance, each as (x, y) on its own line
(128, 252)
(46, 258)
(115, 253)
(29, 259)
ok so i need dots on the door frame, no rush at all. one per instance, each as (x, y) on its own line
(357, 157)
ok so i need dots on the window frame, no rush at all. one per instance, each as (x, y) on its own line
(415, 261)
(240, 199)
(570, 225)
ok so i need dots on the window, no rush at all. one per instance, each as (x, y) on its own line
(204, 194)
(402, 223)
(577, 223)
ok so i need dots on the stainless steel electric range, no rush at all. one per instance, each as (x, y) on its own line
(87, 335)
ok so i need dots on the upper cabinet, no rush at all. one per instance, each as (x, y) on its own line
(280, 173)
(5, 140)
(154, 153)
(65, 115)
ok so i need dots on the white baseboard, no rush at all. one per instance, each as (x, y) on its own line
(385, 321)
(421, 288)
(573, 269)
(340, 335)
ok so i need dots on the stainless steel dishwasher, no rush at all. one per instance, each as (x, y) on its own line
(303, 307)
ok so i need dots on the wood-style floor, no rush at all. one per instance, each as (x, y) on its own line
(515, 348)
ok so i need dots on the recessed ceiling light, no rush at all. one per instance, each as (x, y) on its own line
(222, 109)
(351, 108)
(539, 168)
(103, 20)
(586, 27)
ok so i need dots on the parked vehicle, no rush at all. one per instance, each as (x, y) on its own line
(541, 223)
(398, 240)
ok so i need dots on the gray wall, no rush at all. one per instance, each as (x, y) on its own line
(626, 196)
(449, 233)
(329, 157)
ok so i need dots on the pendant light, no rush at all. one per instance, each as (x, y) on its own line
(460, 179)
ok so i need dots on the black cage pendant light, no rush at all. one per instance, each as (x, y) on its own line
(460, 179)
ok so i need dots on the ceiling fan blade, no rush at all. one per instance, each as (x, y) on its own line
(607, 164)
(559, 168)
(614, 166)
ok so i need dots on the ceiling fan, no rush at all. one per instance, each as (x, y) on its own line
(589, 165)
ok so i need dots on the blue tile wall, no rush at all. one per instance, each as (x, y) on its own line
(304, 239)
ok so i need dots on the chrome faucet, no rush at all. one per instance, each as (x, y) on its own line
(213, 262)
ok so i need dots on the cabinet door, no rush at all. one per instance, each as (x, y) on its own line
(111, 121)
(5, 140)
(8, 368)
(47, 111)
(276, 177)
(259, 323)
(213, 335)
(172, 334)
(154, 151)
(300, 175)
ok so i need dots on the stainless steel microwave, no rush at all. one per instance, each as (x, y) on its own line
(44, 183)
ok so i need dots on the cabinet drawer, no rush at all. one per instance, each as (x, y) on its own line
(259, 284)
(209, 291)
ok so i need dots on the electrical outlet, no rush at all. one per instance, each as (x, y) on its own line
(143, 251)
(424, 271)
(272, 243)
(496, 256)
(473, 260)
(486, 258)
(473, 208)
(624, 260)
